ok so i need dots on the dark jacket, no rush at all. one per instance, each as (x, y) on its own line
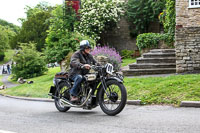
(78, 60)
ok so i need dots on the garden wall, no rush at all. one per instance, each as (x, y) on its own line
(120, 38)
(187, 40)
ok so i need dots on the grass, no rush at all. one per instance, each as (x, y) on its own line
(164, 90)
(39, 88)
(0, 80)
(125, 62)
(150, 90)
(8, 56)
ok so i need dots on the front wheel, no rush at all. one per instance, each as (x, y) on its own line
(62, 92)
(115, 101)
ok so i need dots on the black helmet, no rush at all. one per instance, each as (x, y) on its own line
(84, 44)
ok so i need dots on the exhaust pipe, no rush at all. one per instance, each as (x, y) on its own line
(67, 103)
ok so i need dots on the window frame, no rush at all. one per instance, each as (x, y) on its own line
(193, 6)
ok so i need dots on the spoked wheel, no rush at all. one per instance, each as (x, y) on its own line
(114, 102)
(62, 92)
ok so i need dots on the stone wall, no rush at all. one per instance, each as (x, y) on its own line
(187, 40)
(120, 38)
(187, 17)
(188, 49)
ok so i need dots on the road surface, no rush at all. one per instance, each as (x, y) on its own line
(20, 116)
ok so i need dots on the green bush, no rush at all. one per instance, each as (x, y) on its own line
(127, 53)
(151, 40)
(2, 55)
(28, 62)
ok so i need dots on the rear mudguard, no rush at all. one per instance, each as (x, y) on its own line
(56, 83)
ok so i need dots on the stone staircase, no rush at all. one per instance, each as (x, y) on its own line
(157, 61)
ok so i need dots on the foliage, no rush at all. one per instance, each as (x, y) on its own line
(13, 27)
(60, 40)
(9, 53)
(34, 27)
(4, 40)
(127, 53)
(67, 60)
(141, 12)
(168, 19)
(41, 7)
(151, 40)
(5, 35)
(28, 62)
(2, 55)
(110, 53)
(98, 16)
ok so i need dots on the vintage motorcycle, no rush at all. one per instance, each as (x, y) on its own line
(101, 87)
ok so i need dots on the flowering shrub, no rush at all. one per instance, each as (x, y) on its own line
(111, 53)
(98, 16)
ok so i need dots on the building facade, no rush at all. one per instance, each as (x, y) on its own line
(187, 38)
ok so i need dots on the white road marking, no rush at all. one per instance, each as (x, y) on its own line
(3, 131)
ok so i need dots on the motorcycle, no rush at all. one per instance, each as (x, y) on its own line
(102, 87)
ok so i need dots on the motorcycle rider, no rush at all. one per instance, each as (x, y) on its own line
(80, 64)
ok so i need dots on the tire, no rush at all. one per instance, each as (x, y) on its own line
(118, 98)
(63, 86)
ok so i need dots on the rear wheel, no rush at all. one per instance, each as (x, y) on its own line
(62, 92)
(116, 99)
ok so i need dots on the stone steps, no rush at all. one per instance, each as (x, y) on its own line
(158, 55)
(162, 50)
(157, 61)
(137, 72)
(151, 65)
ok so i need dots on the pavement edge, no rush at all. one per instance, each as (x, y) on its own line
(129, 102)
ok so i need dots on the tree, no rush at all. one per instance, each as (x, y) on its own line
(60, 39)
(4, 40)
(10, 25)
(29, 62)
(141, 12)
(34, 27)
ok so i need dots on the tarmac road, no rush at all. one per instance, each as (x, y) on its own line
(20, 116)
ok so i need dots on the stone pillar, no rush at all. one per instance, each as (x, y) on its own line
(187, 37)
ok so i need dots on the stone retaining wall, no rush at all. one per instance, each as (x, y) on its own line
(187, 41)
(187, 49)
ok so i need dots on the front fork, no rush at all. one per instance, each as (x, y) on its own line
(105, 87)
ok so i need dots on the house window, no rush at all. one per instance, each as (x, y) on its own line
(194, 3)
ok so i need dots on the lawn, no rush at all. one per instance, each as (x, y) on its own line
(125, 62)
(39, 88)
(150, 90)
(0, 80)
(164, 90)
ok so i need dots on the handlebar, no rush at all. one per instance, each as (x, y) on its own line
(96, 68)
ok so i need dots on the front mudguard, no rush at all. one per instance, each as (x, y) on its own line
(106, 80)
